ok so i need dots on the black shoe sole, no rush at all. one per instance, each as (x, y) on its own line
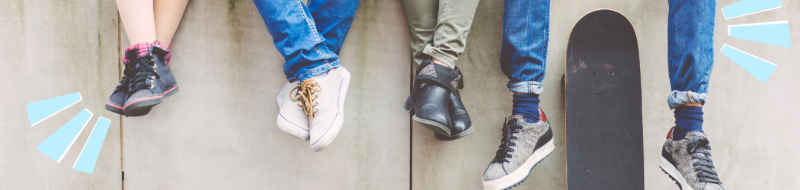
(144, 107)
(454, 136)
(436, 127)
(114, 109)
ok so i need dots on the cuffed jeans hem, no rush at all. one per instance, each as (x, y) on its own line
(305, 73)
(441, 56)
(527, 87)
(677, 98)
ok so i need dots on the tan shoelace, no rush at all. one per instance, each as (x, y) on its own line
(304, 93)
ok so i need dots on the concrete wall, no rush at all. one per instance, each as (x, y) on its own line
(219, 131)
(49, 49)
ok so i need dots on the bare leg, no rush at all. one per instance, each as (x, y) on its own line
(693, 104)
(440, 62)
(137, 17)
(168, 14)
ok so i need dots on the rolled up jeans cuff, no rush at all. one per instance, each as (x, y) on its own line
(304, 73)
(677, 98)
(527, 87)
(440, 55)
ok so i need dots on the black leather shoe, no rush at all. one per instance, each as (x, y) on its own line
(435, 102)
(462, 125)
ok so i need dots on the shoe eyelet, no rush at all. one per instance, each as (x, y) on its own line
(152, 81)
(153, 77)
(151, 86)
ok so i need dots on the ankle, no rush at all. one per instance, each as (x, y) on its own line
(440, 62)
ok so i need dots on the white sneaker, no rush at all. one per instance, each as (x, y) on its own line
(291, 118)
(325, 102)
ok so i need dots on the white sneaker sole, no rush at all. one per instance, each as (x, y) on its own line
(292, 128)
(674, 174)
(518, 176)
(329, 135)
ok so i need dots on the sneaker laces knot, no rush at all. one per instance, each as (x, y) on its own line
(703, 165)
(143, 74)
(305, 93)
(506, 144)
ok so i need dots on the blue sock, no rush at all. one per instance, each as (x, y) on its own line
(526, 105)
(687, 118)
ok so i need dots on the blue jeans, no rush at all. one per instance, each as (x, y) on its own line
(691, 44)
(308, 37)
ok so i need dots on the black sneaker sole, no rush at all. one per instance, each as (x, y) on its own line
(143, 107)
(114, 109)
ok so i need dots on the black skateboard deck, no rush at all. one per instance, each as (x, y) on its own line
(604, 104)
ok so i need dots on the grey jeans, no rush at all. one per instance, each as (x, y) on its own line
(439, 29)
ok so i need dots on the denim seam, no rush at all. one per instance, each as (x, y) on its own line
(546, 32)
(308, 21)
(529, 87)
(317, 70)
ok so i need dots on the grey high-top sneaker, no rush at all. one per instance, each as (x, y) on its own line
(688, 162)
(523, 146)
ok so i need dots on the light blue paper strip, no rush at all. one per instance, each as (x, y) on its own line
(746, 7)
(58, 143)
(91, 150)
(41, 110)
(775, 33)
(759, 68)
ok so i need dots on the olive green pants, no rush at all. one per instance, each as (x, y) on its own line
(439, 29)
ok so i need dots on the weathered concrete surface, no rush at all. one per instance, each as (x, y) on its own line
(49, 49)
(750, 124)
(219, 131)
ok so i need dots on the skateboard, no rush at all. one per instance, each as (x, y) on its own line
(603, 104)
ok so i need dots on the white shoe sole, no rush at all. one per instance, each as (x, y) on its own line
(518, 176)
(674, 174)
(292, 128)
(329, 135)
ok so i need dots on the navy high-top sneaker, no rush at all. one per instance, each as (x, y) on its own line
(120, 94)
(151, 81)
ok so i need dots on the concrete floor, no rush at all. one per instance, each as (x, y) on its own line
(219, 131)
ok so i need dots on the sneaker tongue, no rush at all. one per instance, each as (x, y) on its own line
(695, 134)
(321, 75)
(514, 119)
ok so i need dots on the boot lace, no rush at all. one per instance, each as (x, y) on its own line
(142, 70)
(703, 166)
(506, 146)
(304, 93)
